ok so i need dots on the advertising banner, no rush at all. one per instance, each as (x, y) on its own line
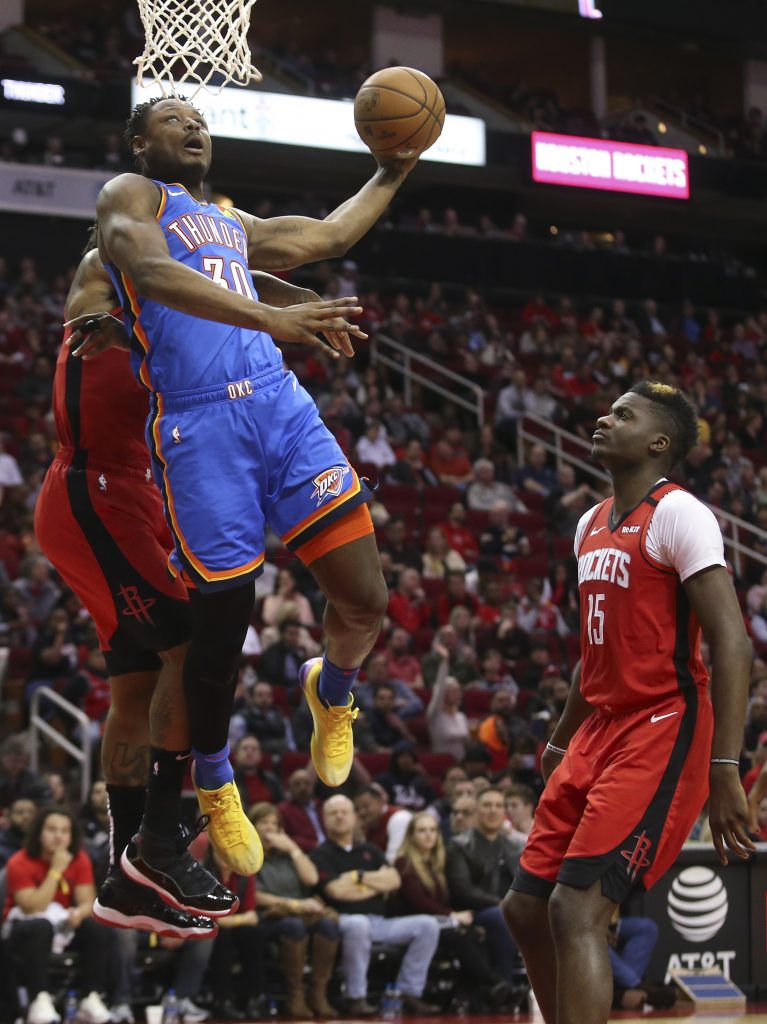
(317, 123)
(610, 166)
(61, 191)
(709, 916)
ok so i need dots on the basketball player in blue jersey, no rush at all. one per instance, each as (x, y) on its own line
(236, 442)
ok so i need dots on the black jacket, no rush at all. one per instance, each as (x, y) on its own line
(479, 872)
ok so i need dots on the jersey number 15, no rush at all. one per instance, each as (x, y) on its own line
(595, 620)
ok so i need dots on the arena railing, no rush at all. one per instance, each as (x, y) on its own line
(38, 724)
(384, 351)
(742, 540)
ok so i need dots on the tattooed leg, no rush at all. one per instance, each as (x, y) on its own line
(125, 745)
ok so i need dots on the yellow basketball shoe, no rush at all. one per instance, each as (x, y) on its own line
(230, 831)
(332, 739)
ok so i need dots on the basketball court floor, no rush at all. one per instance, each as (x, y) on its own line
(756, 1013)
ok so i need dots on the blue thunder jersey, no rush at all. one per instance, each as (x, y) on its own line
(173, 351)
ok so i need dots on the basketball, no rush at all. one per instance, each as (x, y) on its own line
(399, 112)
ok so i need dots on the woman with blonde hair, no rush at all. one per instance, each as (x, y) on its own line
(421, 864)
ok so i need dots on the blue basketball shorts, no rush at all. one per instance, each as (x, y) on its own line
(236, 457)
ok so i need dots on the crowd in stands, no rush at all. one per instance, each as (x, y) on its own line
(464, 687)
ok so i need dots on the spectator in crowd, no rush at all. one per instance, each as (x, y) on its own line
(449, 461)
(401, 663)
(448, 725)
(254, 782)
(568, 500)
(281, 661)
(480, 867)
(37, 591)
(49, 897)
(95, 829)
(374, 449)
(456, 595)
(301, 811)
(286, 593)
(463, 813)
(14, 835)
(289, 913)
(355, 879)
(501, 541)
(535, 475)
(631, 944)
(454, 783)
(439, 558)
(408, 606)
(384, 824)
(520, 808)
(411, 469)
(406, 703)
(405, 781)
(256, 715)
(17, 781)
(459, 536)
(403, 553)
(486, 493)
(501, 727)
(386, 726)
(476, 760)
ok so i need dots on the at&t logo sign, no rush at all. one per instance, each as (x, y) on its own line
(697, 904)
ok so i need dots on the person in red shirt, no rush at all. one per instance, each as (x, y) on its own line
(302, 812)
(640, 745)
(459, 536)
(760, 757)
(456, 596)
(400, 662)
(50, 889)
(450, 463)
(408, 606)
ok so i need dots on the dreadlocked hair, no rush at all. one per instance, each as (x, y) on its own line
(677, 414)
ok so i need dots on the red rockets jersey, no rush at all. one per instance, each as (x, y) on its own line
(640, 641)
(99, 407)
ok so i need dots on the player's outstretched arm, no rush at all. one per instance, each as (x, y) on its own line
(131, 238)
(713, 599)
(281, 243)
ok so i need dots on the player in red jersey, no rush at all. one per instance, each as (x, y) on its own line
(632, 760)
(99, 518)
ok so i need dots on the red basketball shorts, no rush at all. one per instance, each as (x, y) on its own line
(103, 529)
(624, 799)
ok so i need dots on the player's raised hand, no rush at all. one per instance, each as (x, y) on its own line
(93, 333)
(728, 814)
(302, 323)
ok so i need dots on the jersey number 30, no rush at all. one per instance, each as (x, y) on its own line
(595, 622)
(214, 266)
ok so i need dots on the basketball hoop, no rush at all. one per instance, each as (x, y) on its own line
(204, 38)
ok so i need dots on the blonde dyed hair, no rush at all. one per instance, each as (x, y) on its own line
(430, 868)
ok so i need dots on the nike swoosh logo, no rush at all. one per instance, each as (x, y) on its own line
(659, 718)
(174, 193)
(598, 530)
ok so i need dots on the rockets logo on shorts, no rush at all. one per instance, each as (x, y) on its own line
(329, 483)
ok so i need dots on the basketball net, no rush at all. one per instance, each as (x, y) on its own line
(199, 38)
